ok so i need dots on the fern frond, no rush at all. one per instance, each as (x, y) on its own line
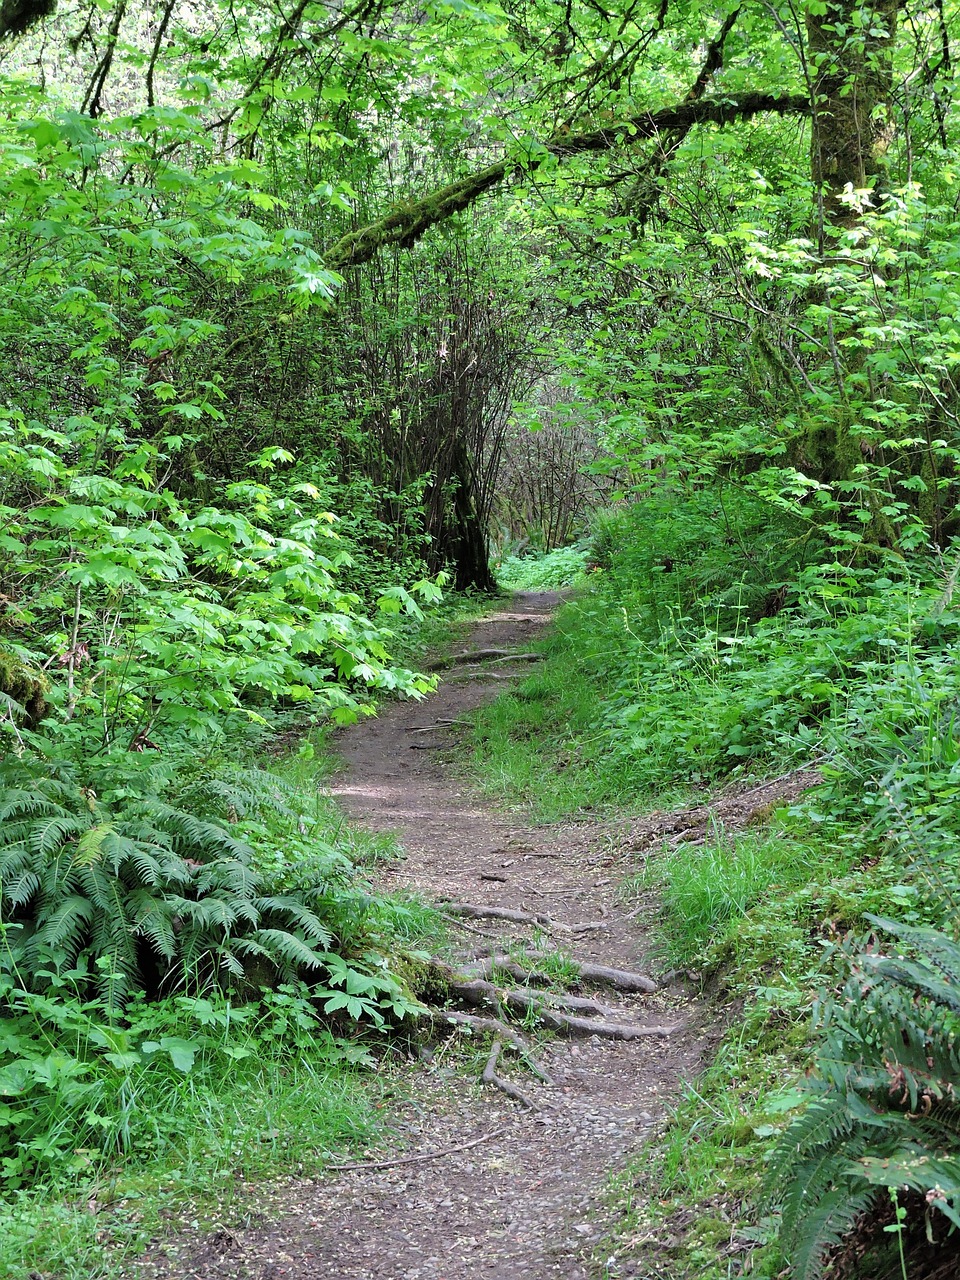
(825, 1228)
(210, 913)
(935, 947)
(50, 833)
(918, 978)
(152, 919)
(298, 914)
(29, 804)
(90, 846)
(67, 926)
(18, 892)
(825, 1121)
(195, 835)
(287, 946)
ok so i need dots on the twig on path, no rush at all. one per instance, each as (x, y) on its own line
(490, 1077)
(427, 1155)
(462, 924)
(436, 726)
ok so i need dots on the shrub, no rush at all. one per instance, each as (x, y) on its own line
(867, 1176)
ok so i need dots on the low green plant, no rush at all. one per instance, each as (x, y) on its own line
(882, 1118)
(145, 894)
(708, 888)
(548, 571)
(173, 1105)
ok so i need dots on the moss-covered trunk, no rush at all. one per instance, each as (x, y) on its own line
(850, 46)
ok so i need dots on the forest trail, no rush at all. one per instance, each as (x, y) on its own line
(525, 1201)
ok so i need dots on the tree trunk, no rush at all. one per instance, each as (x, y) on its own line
(851, 55)
(468, 550)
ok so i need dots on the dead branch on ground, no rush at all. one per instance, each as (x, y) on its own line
(426, 1155)
(480, 655)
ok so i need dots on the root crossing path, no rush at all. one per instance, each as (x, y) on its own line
(482, 1184)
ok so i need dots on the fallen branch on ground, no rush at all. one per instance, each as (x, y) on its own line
(480, 655)
(462, 924)
(427, 1155)
(436, 726)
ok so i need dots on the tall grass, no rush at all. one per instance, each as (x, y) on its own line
(707, 889)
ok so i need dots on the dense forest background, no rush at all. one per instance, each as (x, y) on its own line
(309, 311)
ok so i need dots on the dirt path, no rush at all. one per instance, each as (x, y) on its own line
(522, 1204)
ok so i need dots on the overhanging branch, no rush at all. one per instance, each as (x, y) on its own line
(406, 224)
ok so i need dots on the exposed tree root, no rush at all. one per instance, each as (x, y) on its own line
(476, 911)
(490, 1076)
(478, 1023)
(484, 675)
(579, 1004)
(619, 979)
(498, 1029)
(477, 992)
(480, 655)
(567, 1025)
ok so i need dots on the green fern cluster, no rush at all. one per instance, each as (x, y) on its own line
(148, 895)
(868, 1176)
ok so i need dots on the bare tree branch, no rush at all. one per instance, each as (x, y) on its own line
(92, 103)
(157, 45)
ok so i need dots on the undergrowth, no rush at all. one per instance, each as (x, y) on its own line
(144, 1072)
(547, 571)
(195, 981)
(720, 643)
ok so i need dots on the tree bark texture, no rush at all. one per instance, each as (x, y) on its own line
(851, 54)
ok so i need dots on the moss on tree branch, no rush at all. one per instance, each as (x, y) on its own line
(405, 225)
